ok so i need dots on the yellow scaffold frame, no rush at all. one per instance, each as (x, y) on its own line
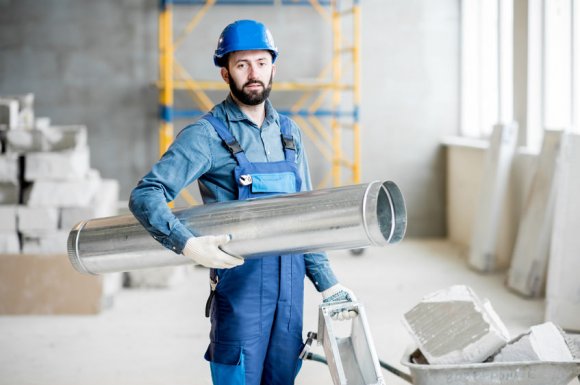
(332, 81)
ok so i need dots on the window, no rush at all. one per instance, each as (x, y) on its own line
(551, 93)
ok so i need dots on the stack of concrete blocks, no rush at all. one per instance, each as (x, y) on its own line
(453, 326)
(47, 185)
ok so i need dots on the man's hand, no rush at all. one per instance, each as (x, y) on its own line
(206, 251)
(339, 293)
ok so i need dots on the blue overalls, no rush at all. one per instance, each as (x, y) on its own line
(256, 313)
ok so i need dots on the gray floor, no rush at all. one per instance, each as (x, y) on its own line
(159, 336)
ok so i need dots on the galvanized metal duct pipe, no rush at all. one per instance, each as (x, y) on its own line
(348, 217)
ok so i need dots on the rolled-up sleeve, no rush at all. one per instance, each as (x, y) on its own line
(187, 158)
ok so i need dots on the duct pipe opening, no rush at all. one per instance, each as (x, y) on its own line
(385, 215)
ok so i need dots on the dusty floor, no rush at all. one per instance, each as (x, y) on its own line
(159, 336)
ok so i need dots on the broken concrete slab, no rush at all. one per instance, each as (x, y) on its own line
(73, 164)
(545, 342)
(453, 326)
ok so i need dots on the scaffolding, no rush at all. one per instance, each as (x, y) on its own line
(322, 111)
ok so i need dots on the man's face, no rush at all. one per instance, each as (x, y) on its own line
(249, 75)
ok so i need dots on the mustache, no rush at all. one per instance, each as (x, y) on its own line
(251, 82)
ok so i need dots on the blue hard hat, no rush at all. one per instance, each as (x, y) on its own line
(244, 35)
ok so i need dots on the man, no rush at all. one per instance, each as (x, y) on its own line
(241, 149)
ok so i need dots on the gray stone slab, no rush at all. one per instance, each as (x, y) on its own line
(545, 342)
(453, 326)
(563, 285)
(527, 274)
(496, 174)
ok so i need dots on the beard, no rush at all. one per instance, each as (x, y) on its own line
(251, 97)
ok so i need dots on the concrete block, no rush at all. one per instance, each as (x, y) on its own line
(53, 138)
(158, 278)
(33, 221)
(47, 284)
(9, 242)
(453, 326)
(496, 173)
(25, 102)
(545, 342)
(104, 204)
(9, 113)
(8, 218)
(64, 193)
(9, 193)
(73, 164)
(49, 243)
(563, 285)
(42, 123)
(9, 168)
(527, 274)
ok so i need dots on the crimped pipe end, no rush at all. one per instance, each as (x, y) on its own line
(72, 244)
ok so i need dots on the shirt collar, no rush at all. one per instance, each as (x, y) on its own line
(235, 114)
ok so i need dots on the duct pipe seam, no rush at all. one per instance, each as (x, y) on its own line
(348, 217)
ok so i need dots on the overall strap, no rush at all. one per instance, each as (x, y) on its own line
(227, 137)
(287, 138)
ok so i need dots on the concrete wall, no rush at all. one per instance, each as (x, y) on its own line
(94, 62)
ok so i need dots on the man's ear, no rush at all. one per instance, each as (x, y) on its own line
(225, 75)
(273, 70)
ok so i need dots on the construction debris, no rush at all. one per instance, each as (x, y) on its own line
(453, 326)
(545, 342)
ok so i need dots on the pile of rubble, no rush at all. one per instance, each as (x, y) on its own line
(453, 326)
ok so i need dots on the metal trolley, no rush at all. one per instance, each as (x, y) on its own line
(352, 360)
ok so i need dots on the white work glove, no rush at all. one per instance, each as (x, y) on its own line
(205, 250)
(339, 293)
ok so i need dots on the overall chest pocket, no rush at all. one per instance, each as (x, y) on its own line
(283, 182)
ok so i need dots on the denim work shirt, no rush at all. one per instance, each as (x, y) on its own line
(198, 153)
